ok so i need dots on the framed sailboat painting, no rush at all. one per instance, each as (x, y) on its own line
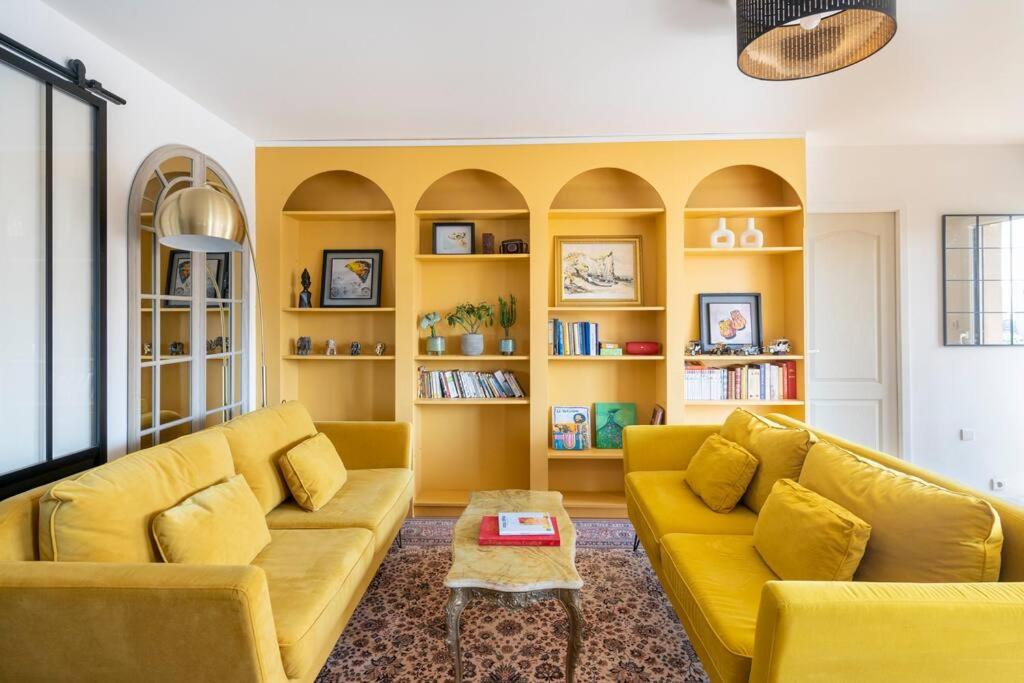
(598, 271)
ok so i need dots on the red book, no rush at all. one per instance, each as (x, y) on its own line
(489, 534)
(789, 374)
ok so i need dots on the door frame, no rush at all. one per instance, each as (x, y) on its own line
(902, 282)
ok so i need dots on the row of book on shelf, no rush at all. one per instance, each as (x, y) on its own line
(755, 382)
(578, 339)
(468, 384)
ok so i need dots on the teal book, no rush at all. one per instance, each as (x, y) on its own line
(612, 418)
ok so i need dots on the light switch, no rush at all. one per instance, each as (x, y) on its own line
(967, 435)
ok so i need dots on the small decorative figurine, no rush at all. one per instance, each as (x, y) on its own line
(147, 349)
(751, 238)
(305, 296)
(723, 237)
(488, 242)
(332, 348)
(354, 349)
(752, 350)
(694, 348)
(304, 346)
(780, 347)
(379, 348)
(720, 349)
(177, 348)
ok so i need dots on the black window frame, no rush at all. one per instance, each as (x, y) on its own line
(52, 468)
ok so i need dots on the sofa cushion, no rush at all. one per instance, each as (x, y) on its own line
(314, 472)
(376, 500)
(664, 504)
(716, 582)
(105, 514)
(720, 472)
(920, 532)
(314, 576)
(259, 439)
(780, 451)
(803, 536)
(222, 524)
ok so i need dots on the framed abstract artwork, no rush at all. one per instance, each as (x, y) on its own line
(598, 271)
(351, 278)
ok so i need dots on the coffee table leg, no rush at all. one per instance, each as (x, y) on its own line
(570, 600)
(458, 598)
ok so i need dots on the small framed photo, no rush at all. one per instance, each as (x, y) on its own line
(351, 278)
(179, 278)
(454, 238)
(570, 428)
(598, 270)
(730, 319)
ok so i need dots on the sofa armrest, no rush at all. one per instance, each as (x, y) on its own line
(860, 631)
(367, 445)
(84, 621)
(663, 447)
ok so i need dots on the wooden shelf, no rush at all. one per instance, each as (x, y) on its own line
(471, 258)
(607, 358)
(606, 309)
(578, 214)
(735, 251)
(592, 454)
(459, 358)
(308, 311)
(320, 356)
(466, 214)
(381, 215)
(472, 401)
(739, 360)
(736, 402)
(442, 499)
(741, 211)
(603, 500)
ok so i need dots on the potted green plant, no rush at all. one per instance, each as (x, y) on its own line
(507, 318)
(472, 317)
(435, 344)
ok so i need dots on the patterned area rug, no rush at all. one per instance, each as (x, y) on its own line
(397, 633)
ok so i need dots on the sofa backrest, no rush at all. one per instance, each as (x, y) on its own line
(259, 439)
(104, 514)
(1011, 516)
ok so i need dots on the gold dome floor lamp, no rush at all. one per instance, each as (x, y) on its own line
(203, 219)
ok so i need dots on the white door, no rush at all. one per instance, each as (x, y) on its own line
(852, 379)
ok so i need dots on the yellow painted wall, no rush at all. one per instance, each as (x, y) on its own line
(534, 192)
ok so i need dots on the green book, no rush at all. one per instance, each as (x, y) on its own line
(612, 418)
(611, 352)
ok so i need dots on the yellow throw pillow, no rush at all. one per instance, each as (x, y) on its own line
(780, 451)
(222, 524)
(806, 537)
(719, 473)
(920, 532)
(314, 472)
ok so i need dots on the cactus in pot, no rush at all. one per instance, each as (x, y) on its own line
(507, 313)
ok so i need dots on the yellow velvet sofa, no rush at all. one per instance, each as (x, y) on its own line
(746, 625)
(109, 610)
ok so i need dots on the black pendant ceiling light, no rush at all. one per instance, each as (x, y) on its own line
(782, 40)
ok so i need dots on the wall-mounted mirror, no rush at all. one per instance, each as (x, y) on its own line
(983, 276)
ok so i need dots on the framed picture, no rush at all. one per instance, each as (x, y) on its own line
(351, 278)
(598, 270)
(612, 418)
(730, 319)
(179, 277)
(454, 238)
(658, 415)
(570, 428)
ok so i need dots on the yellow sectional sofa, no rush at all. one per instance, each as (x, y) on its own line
(84, 595)
(748, 625)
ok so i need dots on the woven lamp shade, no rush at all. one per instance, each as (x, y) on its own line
(780, 40)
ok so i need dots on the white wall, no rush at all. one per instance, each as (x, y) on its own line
(156, 114)
(951, 388)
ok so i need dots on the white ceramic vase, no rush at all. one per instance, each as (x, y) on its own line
(751, 238)
(723, 237)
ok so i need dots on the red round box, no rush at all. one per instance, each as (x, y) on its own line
(642, 348)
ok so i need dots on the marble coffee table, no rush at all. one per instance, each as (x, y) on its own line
(514, 576)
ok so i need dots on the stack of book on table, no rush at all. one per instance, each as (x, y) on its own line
(463, 384)
(753, 382)
(519, 528)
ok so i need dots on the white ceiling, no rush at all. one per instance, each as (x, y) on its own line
(439, 69)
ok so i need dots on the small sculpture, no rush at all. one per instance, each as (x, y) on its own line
(304, 346)
(147, 349)
(751, 238)
(694, 348)
(177, 348)
(354, 349)
(332, 348)
(379, 348)
(752, 350)
(488, 242)
(305, 296)
(720, 349)
(780, 347)
(723, 237)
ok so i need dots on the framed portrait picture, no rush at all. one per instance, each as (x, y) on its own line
(598, 270)
(179, 277)
(454, 238)
(570, 428)
(730, 319)
(351, 278)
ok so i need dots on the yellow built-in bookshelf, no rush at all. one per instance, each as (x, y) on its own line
(671, 194)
